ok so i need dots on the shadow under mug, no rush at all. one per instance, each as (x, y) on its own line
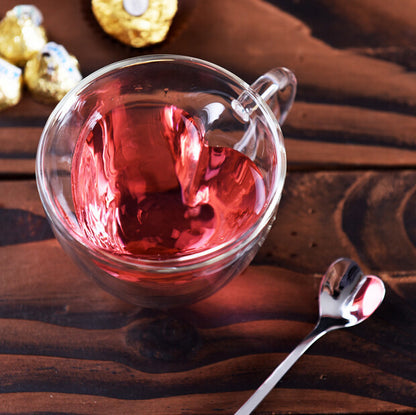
(236, 115)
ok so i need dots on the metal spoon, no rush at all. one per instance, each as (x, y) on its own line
(347, 297)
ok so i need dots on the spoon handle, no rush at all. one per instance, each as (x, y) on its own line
(281, 370)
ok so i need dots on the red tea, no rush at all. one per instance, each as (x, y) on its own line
(146, 183)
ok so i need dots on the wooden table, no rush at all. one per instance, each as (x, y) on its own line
(68, 347)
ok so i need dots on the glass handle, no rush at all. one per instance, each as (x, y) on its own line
(277, 87)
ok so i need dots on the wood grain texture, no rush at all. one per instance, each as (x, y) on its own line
(58, 341)
(370, 102)
(62, 334)
(67, 347)
(368, 215)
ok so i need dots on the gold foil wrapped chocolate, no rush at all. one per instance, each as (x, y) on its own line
(51, 73)
(10, 84)
(137, 23)
(21, 34)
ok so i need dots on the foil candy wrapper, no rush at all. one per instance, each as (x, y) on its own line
(10, 84)
(21, 34)
(51, 73)
(137, 23)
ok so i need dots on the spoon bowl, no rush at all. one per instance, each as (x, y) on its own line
(346, 298)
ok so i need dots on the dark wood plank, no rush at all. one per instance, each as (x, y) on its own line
(376, 24)
(284, 399)
(346, 131)
(344, 76)
(61, 333)
(367, 215)
(318, 135)
(321, 216)
(57, 340)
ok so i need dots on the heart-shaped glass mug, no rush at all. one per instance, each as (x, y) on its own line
(161, 175)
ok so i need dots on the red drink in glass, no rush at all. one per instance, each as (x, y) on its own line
(145, 183)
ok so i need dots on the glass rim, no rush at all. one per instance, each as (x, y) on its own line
(180, 263)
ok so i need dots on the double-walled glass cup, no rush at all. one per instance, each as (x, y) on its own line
(234, 115)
